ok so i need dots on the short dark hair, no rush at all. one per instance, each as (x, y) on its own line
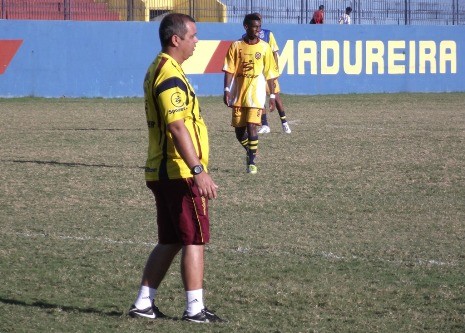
(173, 24)
(258, 14)
(349, 10)
(321, 7)
(249, 18)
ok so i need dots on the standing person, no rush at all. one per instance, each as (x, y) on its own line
(268, 36)
(176, 172)
(248, 68)
(345, 18)
(318, 15)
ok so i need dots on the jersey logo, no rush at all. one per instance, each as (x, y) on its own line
(247, 66)
(176, 99)
(258, 55)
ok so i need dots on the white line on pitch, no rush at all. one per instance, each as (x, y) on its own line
(328, 255)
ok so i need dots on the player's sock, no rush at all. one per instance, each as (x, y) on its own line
(194, 301)
(245, 143)
(282, 116)
(264, 120)
(253, 146)
(145, 297)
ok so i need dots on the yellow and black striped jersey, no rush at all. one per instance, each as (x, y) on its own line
(169, 97)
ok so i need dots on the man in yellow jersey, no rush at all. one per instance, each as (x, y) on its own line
(249, 68)
(268, 36)
(176, 172)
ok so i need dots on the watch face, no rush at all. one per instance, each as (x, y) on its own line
(197, 169)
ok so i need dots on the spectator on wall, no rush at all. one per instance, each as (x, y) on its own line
(345, 18)
(318, 15)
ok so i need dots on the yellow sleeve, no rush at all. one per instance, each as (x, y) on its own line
(173, 96)
(271, 69)
(273, 44)
(230, 59)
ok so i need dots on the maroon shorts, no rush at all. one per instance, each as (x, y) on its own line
(182, 214)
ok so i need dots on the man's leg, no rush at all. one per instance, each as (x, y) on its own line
(192, 267)
(264, 118)
(157, 265)
(265, 127)
(253, 147)
(282, 113)
(242, 137)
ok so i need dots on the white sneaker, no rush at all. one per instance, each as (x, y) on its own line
(286, 128)
(264, 129)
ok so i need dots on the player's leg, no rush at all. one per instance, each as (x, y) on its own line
(240, 128)
(280, 108)
(253, 119)
(242, 137)
(265, 127)
(238, 121)
(253, 142)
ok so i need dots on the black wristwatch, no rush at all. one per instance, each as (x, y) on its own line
(197, 169)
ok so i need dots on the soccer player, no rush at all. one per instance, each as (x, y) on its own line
(248, 68)
(176, 172)
(267, 36)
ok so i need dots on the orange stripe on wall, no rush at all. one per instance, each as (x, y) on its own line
(217, 60)
(8, 49)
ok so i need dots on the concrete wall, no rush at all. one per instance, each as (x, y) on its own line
(109, 59)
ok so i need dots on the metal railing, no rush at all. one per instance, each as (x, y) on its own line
(382, 12)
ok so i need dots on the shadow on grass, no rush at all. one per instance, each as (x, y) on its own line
(49, 306)
(73, 164)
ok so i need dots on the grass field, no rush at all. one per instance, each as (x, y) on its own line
(354, 223)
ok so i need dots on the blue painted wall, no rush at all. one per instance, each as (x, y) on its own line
(109, 59)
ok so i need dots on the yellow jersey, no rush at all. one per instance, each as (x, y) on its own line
(169, 97)
(251, 66)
